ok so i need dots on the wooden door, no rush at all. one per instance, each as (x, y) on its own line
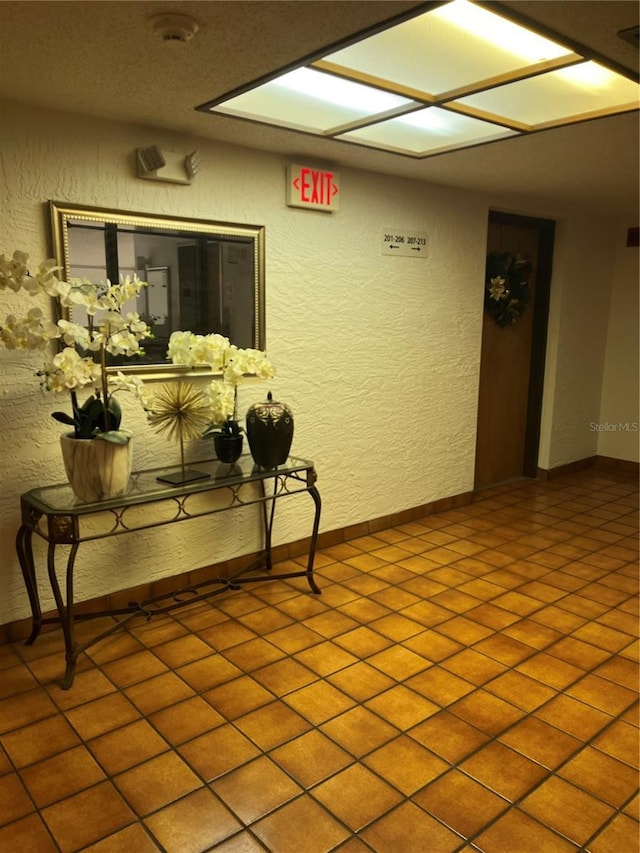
(512, 360)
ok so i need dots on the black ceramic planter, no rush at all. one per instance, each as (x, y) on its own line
(228, 447)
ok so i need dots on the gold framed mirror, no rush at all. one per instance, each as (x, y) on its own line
(203, 276)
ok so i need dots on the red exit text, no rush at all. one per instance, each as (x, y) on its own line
(312, 188)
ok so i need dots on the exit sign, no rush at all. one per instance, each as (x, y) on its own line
(317, 189)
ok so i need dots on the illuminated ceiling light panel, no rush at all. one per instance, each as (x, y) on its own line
(452, 77)
(306, 99)
(569, 93)
(455, 45)
(427, 131)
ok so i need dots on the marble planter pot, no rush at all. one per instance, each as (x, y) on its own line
(97, 470)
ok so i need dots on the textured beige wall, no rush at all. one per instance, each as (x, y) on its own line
(577, 335)
(591, 381)
(377, 356)
(618, 424)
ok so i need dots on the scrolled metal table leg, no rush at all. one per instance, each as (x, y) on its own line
(24, 549)
(65, 612)
(267, 523)
(315, 494)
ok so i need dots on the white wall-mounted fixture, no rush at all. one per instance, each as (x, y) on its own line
(155, 164)
(150, 159)
(174, 28)
(192, 163)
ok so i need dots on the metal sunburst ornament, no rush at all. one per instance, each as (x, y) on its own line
(182, 411)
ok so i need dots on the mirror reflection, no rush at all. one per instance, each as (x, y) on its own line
(202, 276)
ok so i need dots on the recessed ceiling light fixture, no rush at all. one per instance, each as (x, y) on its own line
(450, 76)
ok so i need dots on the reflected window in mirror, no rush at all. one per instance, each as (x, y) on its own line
(203, 276)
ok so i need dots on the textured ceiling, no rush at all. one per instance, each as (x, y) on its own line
(104, 59)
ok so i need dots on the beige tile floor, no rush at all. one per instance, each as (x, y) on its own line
(467, 682)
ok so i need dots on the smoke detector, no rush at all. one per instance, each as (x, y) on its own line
(173, 28)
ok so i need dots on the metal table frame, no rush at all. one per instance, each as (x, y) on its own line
(55, 515)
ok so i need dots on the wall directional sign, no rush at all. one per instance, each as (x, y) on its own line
(318, 189)
(402, 243)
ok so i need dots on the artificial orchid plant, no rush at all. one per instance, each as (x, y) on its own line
(81, 362)
(233, 363)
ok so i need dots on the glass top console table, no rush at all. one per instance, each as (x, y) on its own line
(55, 515)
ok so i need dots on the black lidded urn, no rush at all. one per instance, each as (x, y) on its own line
(269, 432)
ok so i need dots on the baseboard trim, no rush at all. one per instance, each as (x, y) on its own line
(609, 463)
(567, 468)
(19, 630)
(602, 463)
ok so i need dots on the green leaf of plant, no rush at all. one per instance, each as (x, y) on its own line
(115, 436)
(64, 418)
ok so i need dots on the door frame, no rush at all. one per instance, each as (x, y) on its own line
(543, 269)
